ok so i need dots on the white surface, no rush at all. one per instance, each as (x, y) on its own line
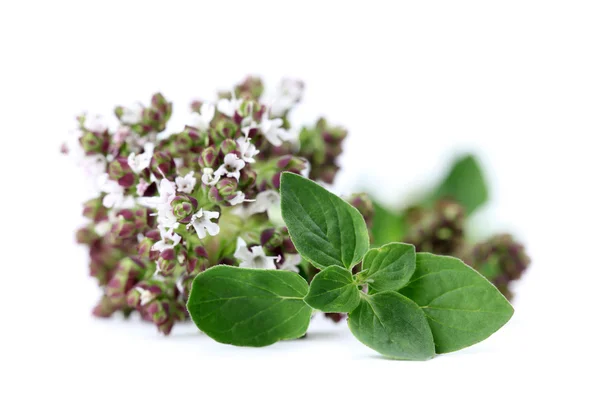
(517, 81)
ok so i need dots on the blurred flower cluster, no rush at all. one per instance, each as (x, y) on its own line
(171, 204)
(440, 229)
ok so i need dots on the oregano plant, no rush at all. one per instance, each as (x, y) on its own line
(402, 304)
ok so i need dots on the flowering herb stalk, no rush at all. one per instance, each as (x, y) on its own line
(403, 304)
(173, 204)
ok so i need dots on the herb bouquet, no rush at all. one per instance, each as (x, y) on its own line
(223, 222)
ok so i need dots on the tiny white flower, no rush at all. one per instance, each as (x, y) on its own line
(162, 203)
(231, 166)
(132, 115)
(239, 198)
(201, 221)
(264, 201)
(253, 258)
(289, 93)
(168, 240)
(291, 262)
(229, 106)
(202, 120)
(247, 149)
(141, 187)
(115, 193)
(140, 162)
(186, 184)
(209, 178)
(146, 296)
(95, 123)
(272, 130)
(102, 228)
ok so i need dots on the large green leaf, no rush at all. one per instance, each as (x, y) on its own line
(333, 290)
(324, 228)
(393, 325)
(249, 307)
(462, 307)
(465, 184)
(389, 267)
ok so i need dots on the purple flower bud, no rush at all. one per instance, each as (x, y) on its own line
(129, 271)
(94, 210)
(145, 249)
(94, 142)
(247, 177)
(228, 146)
(184, 207)
(162, 165)
(158, 311)
(208, 158)
(86, 235)
(120, 171)
(105, 308)
(222, 190)
(252, 87)
(167, 261)
(166, 327)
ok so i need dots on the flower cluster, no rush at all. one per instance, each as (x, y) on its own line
(440, 230)
(172, 204)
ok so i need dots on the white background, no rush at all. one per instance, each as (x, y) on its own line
(414, 82)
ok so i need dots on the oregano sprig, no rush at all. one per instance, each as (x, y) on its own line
(403, 304)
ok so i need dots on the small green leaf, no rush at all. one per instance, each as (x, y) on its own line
(249, 307)
(393, 325)
(389, 267)
(324, 228)
(333, 290)
(465, 184)
(462, 307)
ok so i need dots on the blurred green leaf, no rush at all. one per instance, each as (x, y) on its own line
(465, 183)
(388, 226)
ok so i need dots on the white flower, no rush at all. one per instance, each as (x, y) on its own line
(187, 183)
(253, 258)
(115, 193)
(289, 93)
(141, 187)
(102, 228)
(273, 131)
(239, 198)
(209, 178)
(264, 201)
(132, 115)
(168, 240)
(247, 149)
(202, 120)
(146, 296)
(229, 107)
(95, 123)
(140, 162)
(201, 221)
(290, 262)
(162, 204)
(231, 166)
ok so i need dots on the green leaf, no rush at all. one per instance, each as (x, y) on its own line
(324, 228)
(465, 184)
(333, 290)
(388, 226)
(393, 325)
(249, 307)
(462, 307)
(389, 267)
